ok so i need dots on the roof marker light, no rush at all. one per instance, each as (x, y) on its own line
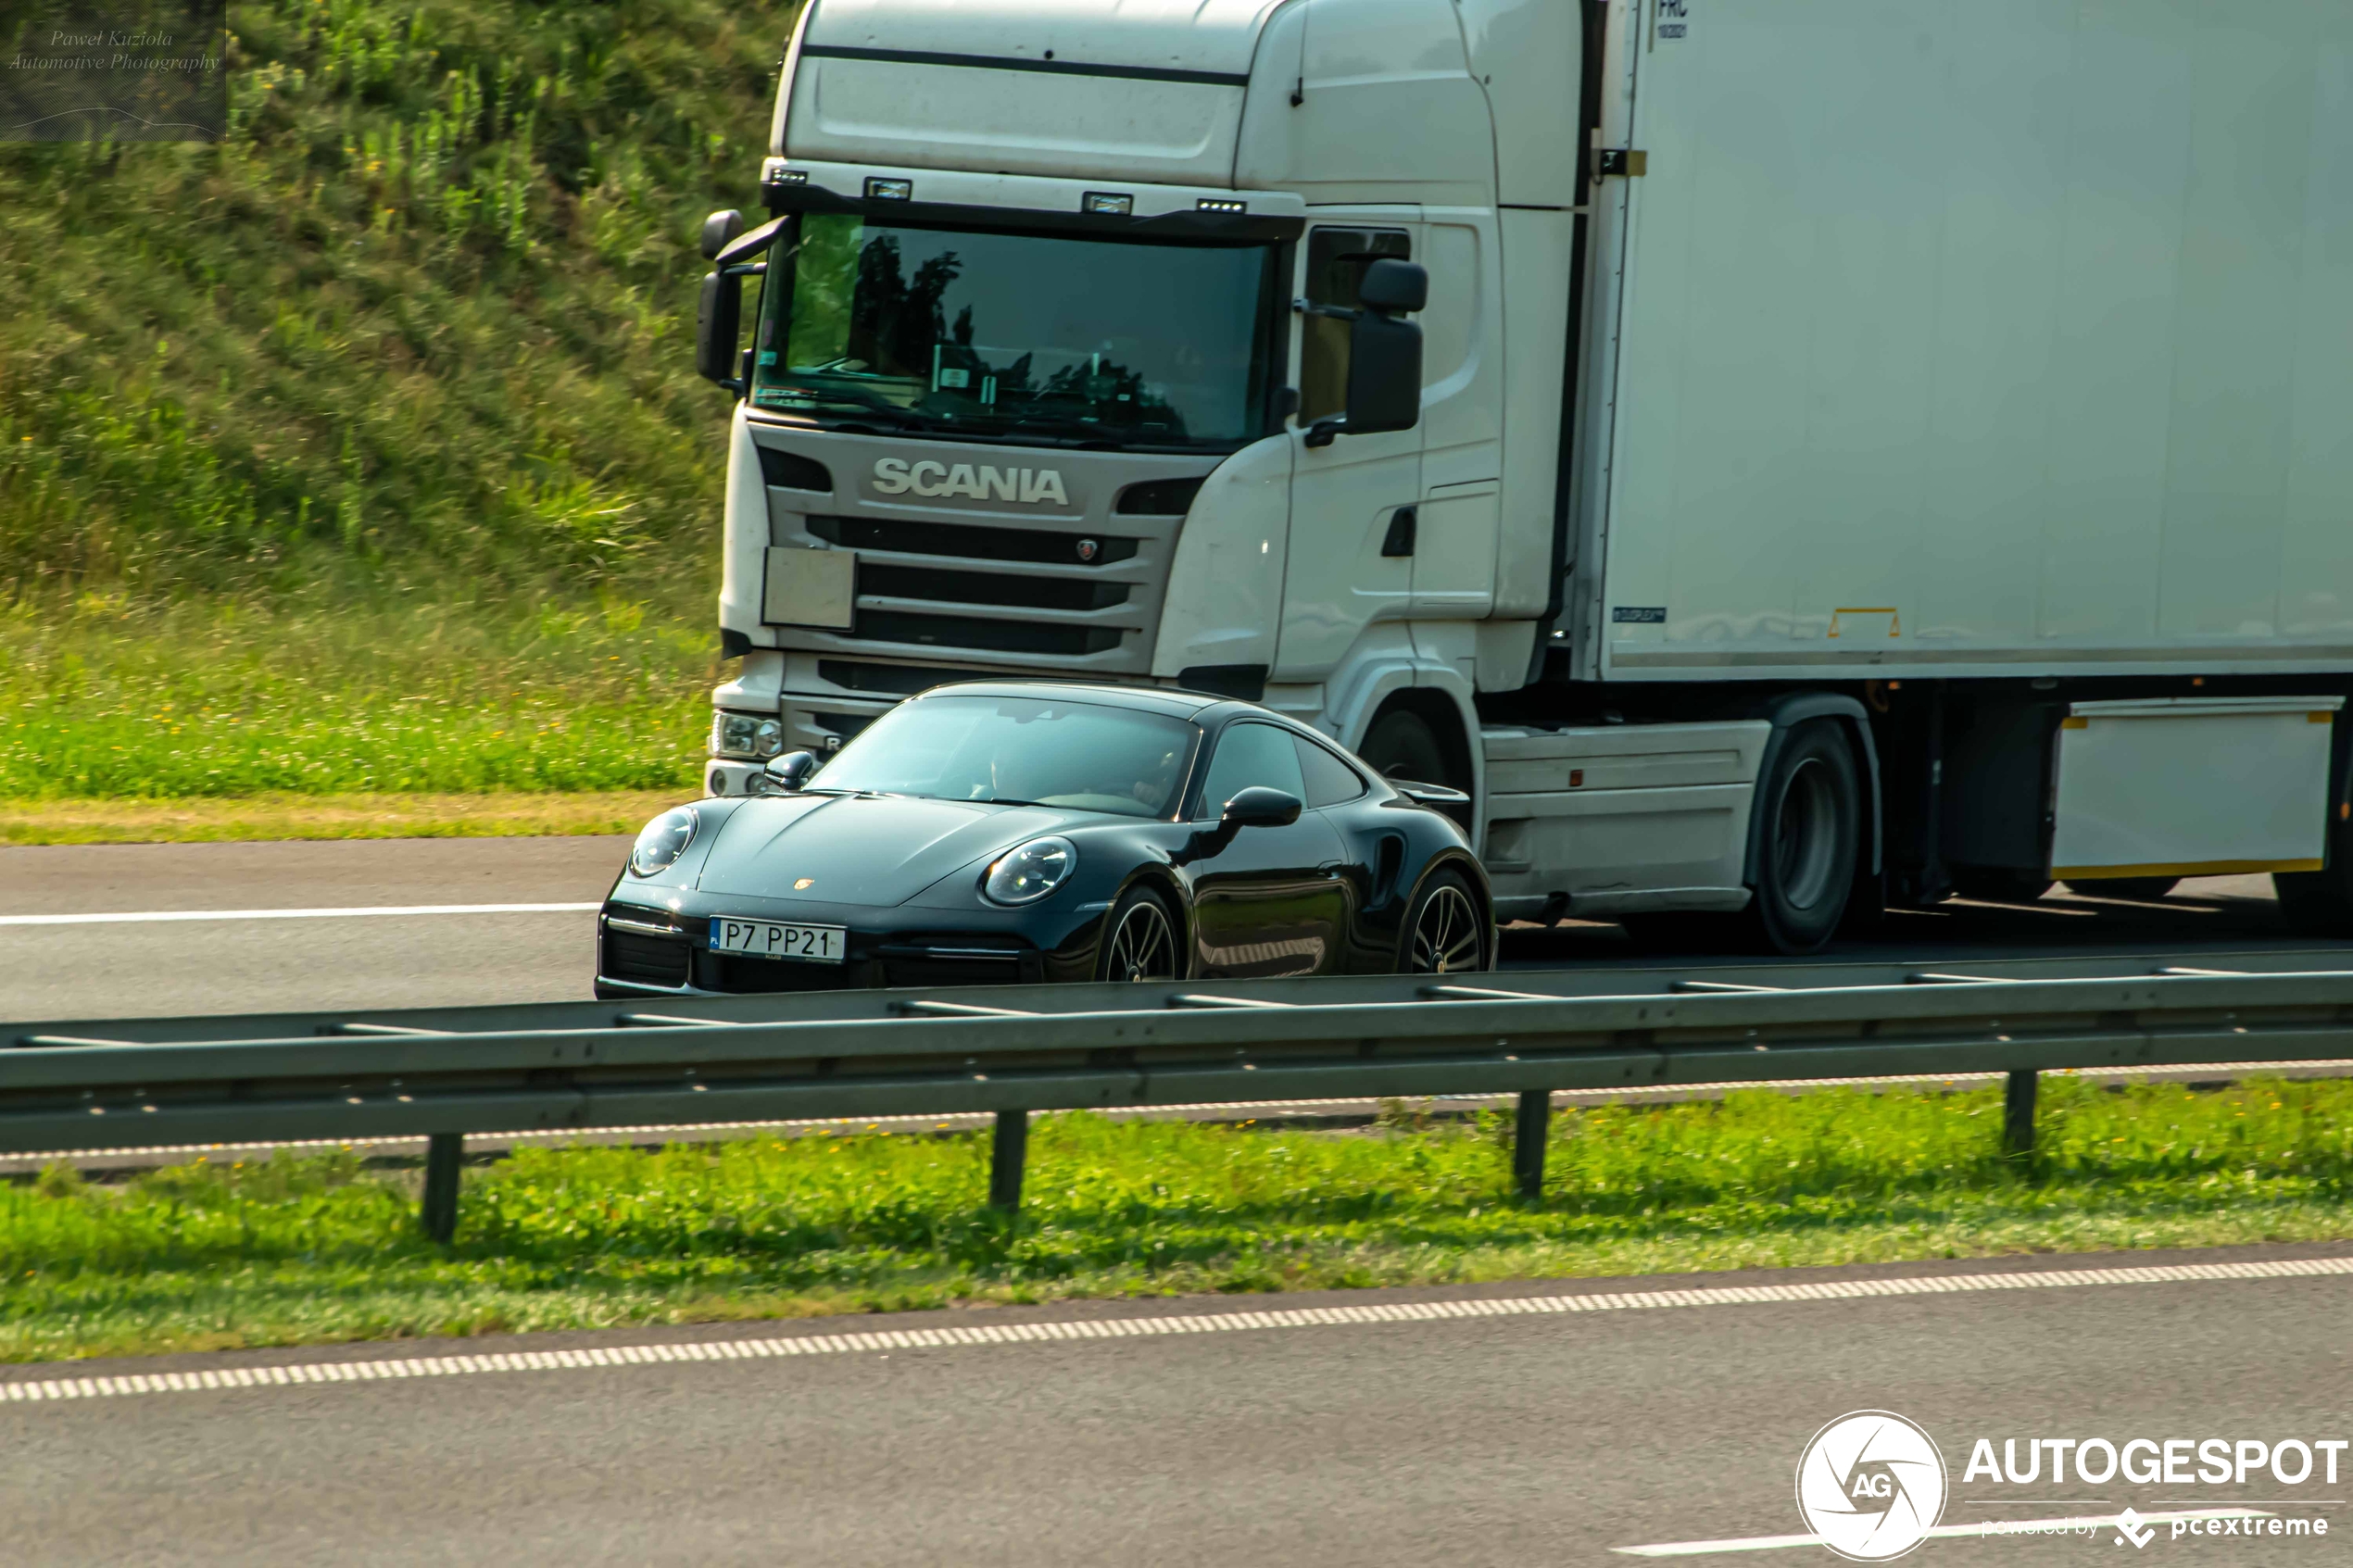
(1220, 204)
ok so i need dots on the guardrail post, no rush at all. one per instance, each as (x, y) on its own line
(1528, 1141)
(445, 1158)
(2018, 1115)
(1008, 1150)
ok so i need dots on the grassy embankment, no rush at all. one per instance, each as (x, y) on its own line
(359, 455)
(292, 1252)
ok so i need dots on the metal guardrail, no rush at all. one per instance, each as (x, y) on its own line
(444, 1073)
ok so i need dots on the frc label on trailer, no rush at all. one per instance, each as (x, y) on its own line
(1640, 615)
(896, 476)
(1673, 18)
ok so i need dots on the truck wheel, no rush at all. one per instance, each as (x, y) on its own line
(1401, 744)
(2140, 889)
(1805, 869)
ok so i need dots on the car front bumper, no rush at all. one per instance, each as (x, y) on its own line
(646, 951)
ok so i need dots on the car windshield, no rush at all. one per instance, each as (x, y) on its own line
(1043, 338)
(1024, 750)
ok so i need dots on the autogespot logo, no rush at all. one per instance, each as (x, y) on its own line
(1871, 1485)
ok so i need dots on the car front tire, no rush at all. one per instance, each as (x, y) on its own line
(1142, 939)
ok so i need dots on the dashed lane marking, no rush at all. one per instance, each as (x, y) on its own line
(781, 1347)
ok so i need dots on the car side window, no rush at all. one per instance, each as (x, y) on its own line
(1336, 261)
(1330, 780)
(1251, 756)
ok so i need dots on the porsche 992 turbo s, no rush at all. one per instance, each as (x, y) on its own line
(1018, 830)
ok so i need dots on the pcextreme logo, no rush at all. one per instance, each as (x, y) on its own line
(896, 476)
(1871, 1485)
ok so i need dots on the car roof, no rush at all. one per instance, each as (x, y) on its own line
(1155, 699)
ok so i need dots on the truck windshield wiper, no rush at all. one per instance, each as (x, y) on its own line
(891, 413)
(1077, 433)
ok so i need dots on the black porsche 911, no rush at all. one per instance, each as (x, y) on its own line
(1021, 831)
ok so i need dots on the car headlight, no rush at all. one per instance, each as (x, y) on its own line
(664, 839)
(746, 734)
(1028, 873)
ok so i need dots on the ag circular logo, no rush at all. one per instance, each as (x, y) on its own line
(1871, 1485)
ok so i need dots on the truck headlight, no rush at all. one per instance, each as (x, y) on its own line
(664, 839)
(1028, 873)
(746, 735)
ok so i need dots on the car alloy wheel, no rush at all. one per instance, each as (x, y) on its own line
(1142, 944)
(1447, 939)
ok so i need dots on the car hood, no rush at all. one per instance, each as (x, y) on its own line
(876, 850)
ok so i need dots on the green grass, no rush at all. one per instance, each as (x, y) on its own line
(217, 698)
(292, 1252)
(424, 315)
(361, 451)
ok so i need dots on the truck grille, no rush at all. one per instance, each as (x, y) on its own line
(988, 587)
(971, 632)
(1037, 546)
(898, 680)
(1074, 589)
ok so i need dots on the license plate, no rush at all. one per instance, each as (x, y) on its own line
(776, 939)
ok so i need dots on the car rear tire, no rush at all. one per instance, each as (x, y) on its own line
(1141, 939)
(1446, 930)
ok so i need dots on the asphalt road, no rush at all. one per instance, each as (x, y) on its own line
(1559, 1439)
(129, 967)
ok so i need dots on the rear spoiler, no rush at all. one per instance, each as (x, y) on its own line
(1436, 796)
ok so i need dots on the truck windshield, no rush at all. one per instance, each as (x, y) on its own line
(1017, 336)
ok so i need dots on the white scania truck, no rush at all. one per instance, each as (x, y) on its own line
(1781, 458)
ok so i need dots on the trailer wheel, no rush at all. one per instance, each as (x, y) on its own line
(1811, 809)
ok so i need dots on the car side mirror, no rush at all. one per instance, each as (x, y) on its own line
(1259, 807)
(786, 774)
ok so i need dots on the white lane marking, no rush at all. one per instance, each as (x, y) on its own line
(2019, 1528)
(776, 1347)
(365, 912)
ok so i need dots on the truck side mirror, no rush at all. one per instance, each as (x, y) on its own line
(718, 324)
(1384, 354)
(720, 230)
(1384, 375)
(1394, 288)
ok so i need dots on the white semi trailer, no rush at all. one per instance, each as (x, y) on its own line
(1848, 451)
